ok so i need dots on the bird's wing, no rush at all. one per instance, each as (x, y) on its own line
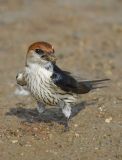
(66, 82)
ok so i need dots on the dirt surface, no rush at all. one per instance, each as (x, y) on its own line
(87, 37)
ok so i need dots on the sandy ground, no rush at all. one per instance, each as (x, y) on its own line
(87, 36)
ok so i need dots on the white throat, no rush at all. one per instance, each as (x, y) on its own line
(44, 71)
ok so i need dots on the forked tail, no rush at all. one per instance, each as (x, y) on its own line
(87, 85)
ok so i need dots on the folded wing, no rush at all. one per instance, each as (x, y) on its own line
(68, 83)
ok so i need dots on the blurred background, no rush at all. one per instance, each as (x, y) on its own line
(87, 37)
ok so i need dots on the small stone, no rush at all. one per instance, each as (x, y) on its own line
(36, 129)
(115, 102)
(108, 120)
(22, 154)
(75, 125)
(14, 141)
(77, 135)
(28, 145)
(100, 108)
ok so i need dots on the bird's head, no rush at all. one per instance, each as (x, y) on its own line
(40, 53)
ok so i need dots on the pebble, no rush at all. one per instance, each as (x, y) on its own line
(14, 141)
(22, 154)
(100, 108)
(77, 135)
(75, 125)
(28, 145)
(36, 129)
(108, 120)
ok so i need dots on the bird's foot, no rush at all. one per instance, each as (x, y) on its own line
(66, 124)
(66, 128)
(40, 108)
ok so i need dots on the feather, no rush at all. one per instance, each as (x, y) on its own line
(68, 83)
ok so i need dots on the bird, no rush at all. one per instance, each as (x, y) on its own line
(48, 83)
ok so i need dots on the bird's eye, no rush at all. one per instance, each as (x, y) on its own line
(39, 51)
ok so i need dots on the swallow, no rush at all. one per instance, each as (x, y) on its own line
(49, 84)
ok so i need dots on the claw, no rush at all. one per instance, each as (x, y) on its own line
(66, 126)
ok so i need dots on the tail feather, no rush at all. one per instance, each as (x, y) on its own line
(97, 80)
(86, 85)
(98, 87)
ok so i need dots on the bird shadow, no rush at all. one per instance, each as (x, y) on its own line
(50, 114)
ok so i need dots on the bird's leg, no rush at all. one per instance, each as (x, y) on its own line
(66, 110)
(40, 107)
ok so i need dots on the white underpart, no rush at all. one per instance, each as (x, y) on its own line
(39, 83)
(41, 86)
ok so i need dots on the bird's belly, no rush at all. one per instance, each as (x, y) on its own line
(42, 91)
